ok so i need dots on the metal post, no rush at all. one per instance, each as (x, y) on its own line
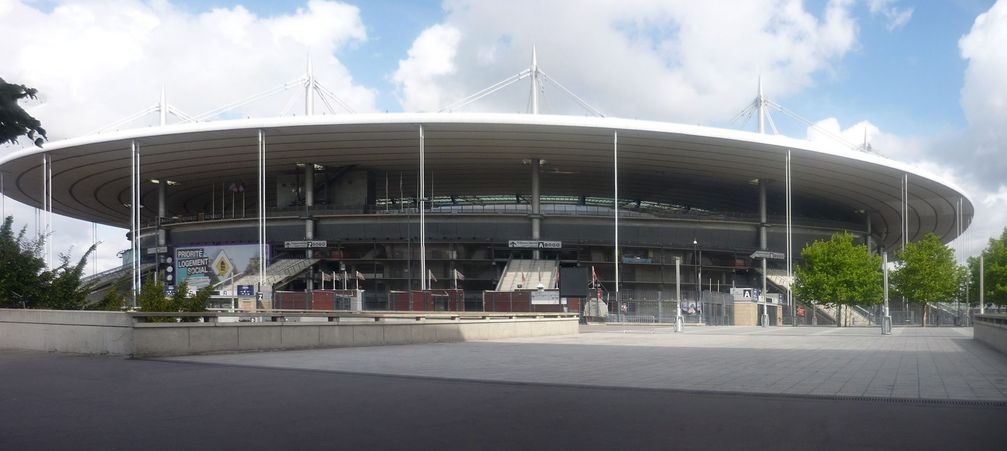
(615, 158)
(790, 243)
(536, 213)
(134, 212)
(678, 294)
(982, 285)
(423, 225)
(262, 216)
(764, 318)
(886, 319)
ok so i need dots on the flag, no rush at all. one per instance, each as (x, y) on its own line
(360, 276)
(430, 274)
(459, 275)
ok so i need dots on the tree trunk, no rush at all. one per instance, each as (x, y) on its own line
(926, 309)
(814, 314)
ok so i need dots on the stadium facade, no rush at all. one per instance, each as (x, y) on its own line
(362, 198)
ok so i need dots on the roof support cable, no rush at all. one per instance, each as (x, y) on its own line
(579, 100)
(487, 91)
(321, 89)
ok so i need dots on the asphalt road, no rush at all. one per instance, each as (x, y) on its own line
(52, 401)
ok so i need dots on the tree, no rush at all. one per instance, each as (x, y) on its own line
(995, 267)
(927, 273)
(21, 268)
(837, 272)
(14, 120)
(153, 299)
(26, 283)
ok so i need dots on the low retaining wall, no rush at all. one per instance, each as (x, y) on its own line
(129, 334)
(992, 330)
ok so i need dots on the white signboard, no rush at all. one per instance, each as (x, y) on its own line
(545, 297)
(534, 244)
(305, 244)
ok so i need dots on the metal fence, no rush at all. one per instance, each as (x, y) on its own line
(712, 309)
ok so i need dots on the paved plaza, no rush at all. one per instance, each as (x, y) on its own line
(918, 363)
(611, 387)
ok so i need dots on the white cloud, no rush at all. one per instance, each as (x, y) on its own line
(829, 132)
(621, 57)
(894, 17)
(98, 62)
(430, 58)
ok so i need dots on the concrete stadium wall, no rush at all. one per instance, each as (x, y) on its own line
(116, 333)
(66, 331)
(992, 330)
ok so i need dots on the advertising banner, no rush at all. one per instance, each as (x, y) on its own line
(205, 265)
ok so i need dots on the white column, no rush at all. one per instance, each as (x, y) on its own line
(262, 212)
(790, 240)
(763, 242)
(162, 211)
(536, 212)
(982, 285)
(615, 166)
(423, 224)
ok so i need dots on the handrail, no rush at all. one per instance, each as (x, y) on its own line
(334, 315)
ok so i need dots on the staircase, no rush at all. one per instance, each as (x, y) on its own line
(529, 274)
(278, 273)
(857, 315)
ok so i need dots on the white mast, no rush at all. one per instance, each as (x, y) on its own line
(534, 81)
(309, 86)
(760, 103)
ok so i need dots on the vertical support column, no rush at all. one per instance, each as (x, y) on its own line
(423, 224)
(134, 212)
(886, 319)
(536, 212)
(868, 236)
(763, 241)
(982, 284)
(162, 192)
(615, 165)
(679, 321)
(790, 241)
(905, 209)
(262, 215)
(309, 219)
(44, 234)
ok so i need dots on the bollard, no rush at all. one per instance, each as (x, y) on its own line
(678, 323)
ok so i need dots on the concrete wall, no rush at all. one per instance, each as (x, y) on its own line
(66, 331)
(115, 333)
(992, 330)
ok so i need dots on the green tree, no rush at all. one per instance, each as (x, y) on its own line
(21, 267)
(927, 273)
(26, 283)
(14, 120)
(995, 267)
(153, 299)
(837, 272)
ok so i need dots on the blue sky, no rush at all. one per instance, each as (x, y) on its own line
(906, 81)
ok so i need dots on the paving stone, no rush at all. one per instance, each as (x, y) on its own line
(912, 362)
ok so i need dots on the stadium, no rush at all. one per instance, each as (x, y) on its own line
(452, 210)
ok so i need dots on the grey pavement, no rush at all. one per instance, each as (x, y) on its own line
(61, 401)
(915, 363)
